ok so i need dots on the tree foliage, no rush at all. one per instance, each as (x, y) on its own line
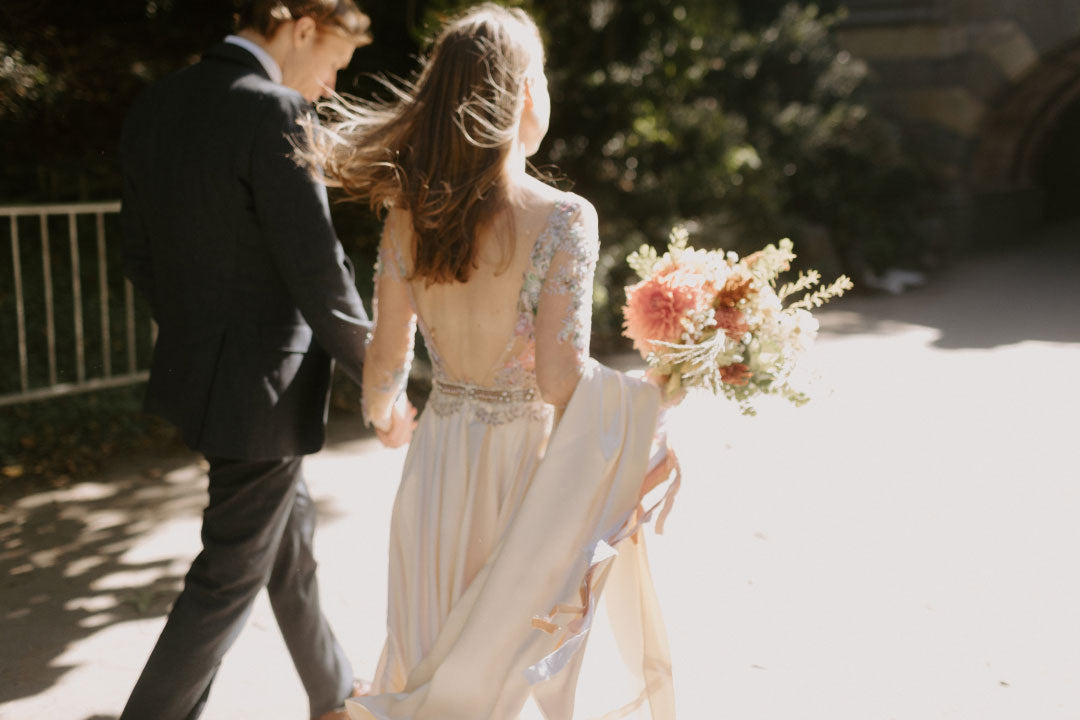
(742, 116)
(741, 119)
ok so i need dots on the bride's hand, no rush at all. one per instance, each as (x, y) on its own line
(402, 423)
(661, 382)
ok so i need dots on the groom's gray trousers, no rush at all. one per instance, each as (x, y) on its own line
(257, 532)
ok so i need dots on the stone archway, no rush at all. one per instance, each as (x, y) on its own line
(981, 87)
(1005, 177)
(1016, 125)
(1057, 166)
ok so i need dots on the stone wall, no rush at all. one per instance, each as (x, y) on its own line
(979, 86)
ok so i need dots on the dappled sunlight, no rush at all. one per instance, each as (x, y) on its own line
(1027, 293)
(852, 322)
(91, 570)
(74, 562)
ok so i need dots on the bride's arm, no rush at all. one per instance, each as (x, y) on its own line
(564, 315)
(390, 348)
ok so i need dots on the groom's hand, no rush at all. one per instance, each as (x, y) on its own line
(402, 424)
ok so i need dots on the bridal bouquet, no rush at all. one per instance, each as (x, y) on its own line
(706, 318)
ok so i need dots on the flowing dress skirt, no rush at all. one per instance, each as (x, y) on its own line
(503, 536)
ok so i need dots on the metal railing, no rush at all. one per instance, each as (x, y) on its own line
(70, 357)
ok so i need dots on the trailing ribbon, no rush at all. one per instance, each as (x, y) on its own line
(603, 554)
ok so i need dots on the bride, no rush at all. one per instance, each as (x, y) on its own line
(520, 497)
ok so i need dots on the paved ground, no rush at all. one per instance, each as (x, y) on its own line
(903, 548)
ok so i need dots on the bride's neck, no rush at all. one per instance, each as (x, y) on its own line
(514, 172)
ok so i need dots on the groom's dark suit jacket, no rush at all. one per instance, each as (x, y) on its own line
(232, 243)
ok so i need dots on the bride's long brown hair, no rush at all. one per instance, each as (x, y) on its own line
(438, 148)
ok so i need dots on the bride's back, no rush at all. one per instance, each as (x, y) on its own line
(472, 327)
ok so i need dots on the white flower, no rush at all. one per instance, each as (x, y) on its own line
(767, 300)
(805, 330)
(807, 323)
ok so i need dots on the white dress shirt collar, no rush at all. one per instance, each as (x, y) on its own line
(261, 55)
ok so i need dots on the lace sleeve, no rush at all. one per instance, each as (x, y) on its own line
(390, 347)
(564, 314)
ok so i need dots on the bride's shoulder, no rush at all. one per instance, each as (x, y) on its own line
(574, 226)
(571, 205)
(581, 210)
(578, 220)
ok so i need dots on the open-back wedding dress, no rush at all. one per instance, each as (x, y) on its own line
(504, 532)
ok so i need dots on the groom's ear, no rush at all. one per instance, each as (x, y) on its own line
(304, 31)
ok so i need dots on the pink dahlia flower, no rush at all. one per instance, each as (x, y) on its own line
(655, 308)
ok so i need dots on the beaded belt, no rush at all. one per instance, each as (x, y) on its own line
(487, 394)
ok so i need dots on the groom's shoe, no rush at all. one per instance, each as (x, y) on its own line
(359, 688)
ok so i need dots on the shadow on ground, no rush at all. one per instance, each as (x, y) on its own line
(63, 566)
(984, 301)
(76, 560)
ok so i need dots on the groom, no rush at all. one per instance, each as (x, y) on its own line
(231, 242)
